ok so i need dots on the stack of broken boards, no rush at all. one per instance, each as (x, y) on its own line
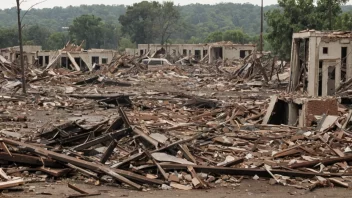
(209, 145)
(164, 139)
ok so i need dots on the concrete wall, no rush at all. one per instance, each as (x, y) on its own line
(233, 52)
(317, 42)
(230, 51)
(85, 56)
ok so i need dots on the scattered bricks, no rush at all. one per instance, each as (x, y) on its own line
(319, 107)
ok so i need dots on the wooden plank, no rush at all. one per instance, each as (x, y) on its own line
(194, 175)
(83, 171)
(184, 149)
(54, 171)
(163, 173)
(125, 162)
(110, 136)
(8, 184)
(137, 131)
(76, 189)
(108, 151)
(84, 195)
(73, 61)
(270, 109)
(68, 159)
(27, 159)
(326, 162)
(347, 119)
(4, 175)
(244, 171)
(4, 147)
(233, 162)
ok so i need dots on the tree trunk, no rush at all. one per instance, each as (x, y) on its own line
(21, 46)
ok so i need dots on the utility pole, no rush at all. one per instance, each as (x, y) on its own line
(261, 28)
(21, 47)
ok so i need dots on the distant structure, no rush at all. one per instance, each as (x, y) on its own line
(71, 56)
(213, 51)
(320, 61)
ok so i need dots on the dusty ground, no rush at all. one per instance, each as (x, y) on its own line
(209, 88)
(247, 188)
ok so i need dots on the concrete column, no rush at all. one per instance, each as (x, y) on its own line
(210, 55)
(337, 73)
(349, 63)
(313, 67)
(325, 75)
(292, 113)
(295, 67)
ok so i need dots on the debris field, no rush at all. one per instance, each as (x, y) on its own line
(185, 127)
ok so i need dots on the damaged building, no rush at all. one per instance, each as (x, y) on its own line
(71, 56)
(214, 51)
(320, 61)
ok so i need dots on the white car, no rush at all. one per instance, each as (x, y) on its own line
(157, 63)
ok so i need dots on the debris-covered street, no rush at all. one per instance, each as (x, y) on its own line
(217, 129)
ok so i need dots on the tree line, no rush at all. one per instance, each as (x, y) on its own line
(119, 27)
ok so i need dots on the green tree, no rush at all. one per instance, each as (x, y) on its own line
(236, 36)
(328, 11)
(88, 28)
(169, 21)
(344, 22)
(126, 43)
(214, 37)
(57, 40)
(139, 21)
(147, 22)
(8, 37)
(293, 16)
(36, 35)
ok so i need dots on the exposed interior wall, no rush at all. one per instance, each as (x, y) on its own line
(329, 62)
(229, 51)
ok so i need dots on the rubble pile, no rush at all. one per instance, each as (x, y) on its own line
(176, 128)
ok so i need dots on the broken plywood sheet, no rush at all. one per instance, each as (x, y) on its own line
(163, 157)
(54, 60)
(327, 122)
(87, 62)
(2, 59)
(159, 137)
(180, 186)
(73, 62)
(270, 109)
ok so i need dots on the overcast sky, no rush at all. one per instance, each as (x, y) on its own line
(64, 3)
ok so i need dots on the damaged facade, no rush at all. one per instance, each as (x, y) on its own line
(71, 56)
(215, 51)
(320, 61)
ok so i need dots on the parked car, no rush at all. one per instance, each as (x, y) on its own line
(157, 63)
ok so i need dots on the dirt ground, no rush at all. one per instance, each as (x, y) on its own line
(247, 188)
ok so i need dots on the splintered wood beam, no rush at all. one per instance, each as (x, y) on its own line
(76, 189)
(244, 171)
(163, 173)
(326, 162)
(83, 171)
(144, 136)
(138, 156)
(4, 147)
(108, 152)
(110, 136)
(96, 167)
(4, 175)
(84, 195)
(27, 159)
(184, 149)
(195, 176)
(9, 184)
